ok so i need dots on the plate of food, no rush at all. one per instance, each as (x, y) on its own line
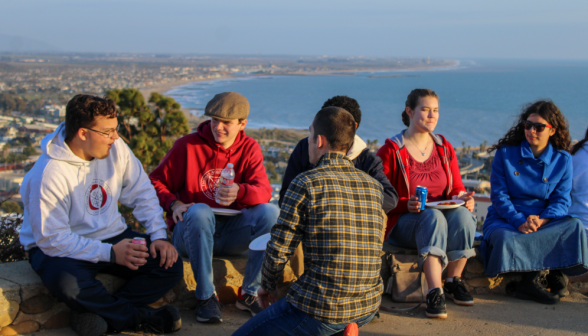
(443, 205)
(225, 212)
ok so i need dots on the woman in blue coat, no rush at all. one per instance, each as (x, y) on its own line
(527, 228)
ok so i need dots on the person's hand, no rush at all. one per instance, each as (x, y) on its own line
(266, 298)
(414, 205)
(129, 254)
(468, 198)
(263, 297)
(524, 228)
(167, 253)
(178, 210)
(227, 195)
(537, 222)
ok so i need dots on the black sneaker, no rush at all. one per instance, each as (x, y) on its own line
(209, 311)
(87, 324)
(163, 320)
(533, 287)
(249, 302)
(436, 304)
(456, 290)
(558, 283)
(376, 317)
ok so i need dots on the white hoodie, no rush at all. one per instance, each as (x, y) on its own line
(71, 205)
(358, 146)
(579, 192)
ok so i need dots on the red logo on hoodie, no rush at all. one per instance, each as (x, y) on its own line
(98, 196)
(209, 181)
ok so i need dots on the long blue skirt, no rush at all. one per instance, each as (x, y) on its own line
(560, 244)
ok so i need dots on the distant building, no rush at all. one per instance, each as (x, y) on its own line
(55, 111)
(10, 180)
(273, 151)
(275, 193)
(31, 129)
(281, 167)
(8, 133)
(476, 185)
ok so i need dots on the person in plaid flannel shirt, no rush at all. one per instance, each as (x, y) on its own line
(335, 210)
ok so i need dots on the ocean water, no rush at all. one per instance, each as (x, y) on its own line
(479, 100)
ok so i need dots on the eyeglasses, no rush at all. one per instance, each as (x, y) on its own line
(539, 127)
(108, 134)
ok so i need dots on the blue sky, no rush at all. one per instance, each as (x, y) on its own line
(537, 29)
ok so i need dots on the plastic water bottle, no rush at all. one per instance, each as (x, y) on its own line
(226, 179)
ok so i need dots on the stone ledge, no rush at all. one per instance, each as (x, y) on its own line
(27, 306)
(478, 283)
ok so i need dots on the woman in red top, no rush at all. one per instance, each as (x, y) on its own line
(416, 157)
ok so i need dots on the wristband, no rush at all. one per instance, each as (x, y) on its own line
(172, 205)
(112, 255)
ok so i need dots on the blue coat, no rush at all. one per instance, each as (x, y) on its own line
(523, 185)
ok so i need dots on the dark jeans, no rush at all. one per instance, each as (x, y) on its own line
(282, 318)
(74, 282)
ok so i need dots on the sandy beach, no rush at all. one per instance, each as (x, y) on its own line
(165, 87)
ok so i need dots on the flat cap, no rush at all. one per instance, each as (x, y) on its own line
(227, 106)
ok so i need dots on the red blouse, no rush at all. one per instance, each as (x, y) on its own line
(428, 174)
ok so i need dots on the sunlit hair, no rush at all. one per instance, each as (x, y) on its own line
(413, 99)
(337, 126)
(561, 140)
(580, 144)
(81, 111)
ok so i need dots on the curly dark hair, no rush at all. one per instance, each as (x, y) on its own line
(548, 111)
(349, 104)
(580, 144)
(81, 110)
(413, 99)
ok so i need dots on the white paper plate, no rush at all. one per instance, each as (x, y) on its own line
(225, 212)
(260, 243)
(435, 205)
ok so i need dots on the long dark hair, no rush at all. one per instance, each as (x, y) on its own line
(412, 101)
(580, 144)
(548, 111)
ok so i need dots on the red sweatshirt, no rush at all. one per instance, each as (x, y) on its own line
(190, 171)
(395, 160)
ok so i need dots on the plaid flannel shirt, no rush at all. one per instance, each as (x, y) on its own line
(335, 210)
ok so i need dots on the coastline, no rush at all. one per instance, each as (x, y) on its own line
(163, 88)
(194, 120)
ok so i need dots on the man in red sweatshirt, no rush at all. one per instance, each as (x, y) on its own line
(186, 182)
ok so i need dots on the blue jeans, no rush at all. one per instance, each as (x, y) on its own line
(448, 234)
(282, 318)
(74, 282)
(203, 234)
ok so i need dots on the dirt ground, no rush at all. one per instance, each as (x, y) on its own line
(491, 315)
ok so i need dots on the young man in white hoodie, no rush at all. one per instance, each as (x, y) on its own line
(72, 228)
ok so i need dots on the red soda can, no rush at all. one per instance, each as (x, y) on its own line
(140, 241)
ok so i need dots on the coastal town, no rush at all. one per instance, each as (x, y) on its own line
(55, 76)
(35, 87)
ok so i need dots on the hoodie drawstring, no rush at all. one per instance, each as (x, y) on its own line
(84, 185)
